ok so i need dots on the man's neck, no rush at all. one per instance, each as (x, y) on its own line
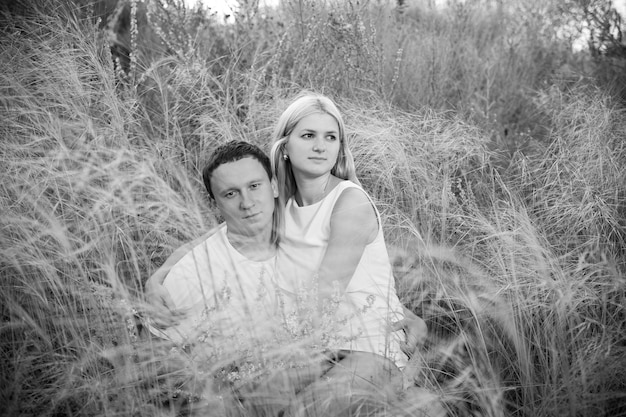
(256, 248)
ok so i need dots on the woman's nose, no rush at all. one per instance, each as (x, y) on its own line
(319, 145)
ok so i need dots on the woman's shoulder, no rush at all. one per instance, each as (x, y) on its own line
(346, 190)
(345, 184)
(353, 198)
(354, 212)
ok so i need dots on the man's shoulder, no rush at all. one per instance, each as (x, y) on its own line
(215, 237)
(198, 255)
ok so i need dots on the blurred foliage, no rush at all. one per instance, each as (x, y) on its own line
(483, 59)
(598, 22)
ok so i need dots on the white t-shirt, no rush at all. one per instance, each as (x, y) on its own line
(370, 302)
(222, 294)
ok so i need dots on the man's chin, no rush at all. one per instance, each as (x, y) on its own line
(255, 226)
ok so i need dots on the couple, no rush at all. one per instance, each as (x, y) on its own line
(298, 224)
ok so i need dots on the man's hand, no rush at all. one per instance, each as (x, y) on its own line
(160, 303)
(415, 330)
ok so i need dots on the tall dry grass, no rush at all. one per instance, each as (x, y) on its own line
(519, 273)
(89, 205)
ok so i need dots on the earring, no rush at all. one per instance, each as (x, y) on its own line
(285, 157)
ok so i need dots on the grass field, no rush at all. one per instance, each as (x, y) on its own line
(496, 155)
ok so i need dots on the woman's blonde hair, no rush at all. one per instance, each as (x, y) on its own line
(304, 105)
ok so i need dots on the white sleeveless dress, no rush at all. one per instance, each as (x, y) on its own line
(370, 302)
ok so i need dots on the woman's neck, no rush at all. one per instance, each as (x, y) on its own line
(312, 190)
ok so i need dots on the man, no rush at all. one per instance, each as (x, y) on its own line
(230, 270)
(224, 285)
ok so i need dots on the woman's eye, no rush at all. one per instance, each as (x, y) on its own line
(229, 194)
(307, 135)
(331, 137)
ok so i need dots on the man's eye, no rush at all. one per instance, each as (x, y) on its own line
(255, 185)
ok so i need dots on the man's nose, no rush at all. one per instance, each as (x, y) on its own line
(247, 201)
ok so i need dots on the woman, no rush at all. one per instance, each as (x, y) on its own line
(333, 235)
(333, 239)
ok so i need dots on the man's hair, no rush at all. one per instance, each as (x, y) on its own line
(231, 152)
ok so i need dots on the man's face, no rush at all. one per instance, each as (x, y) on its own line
(245, 196)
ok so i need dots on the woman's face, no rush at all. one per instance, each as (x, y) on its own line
(313, 145)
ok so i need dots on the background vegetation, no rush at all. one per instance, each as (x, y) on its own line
(494, 148)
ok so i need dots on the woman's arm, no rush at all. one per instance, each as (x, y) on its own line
(415, 330)
(353, 225)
